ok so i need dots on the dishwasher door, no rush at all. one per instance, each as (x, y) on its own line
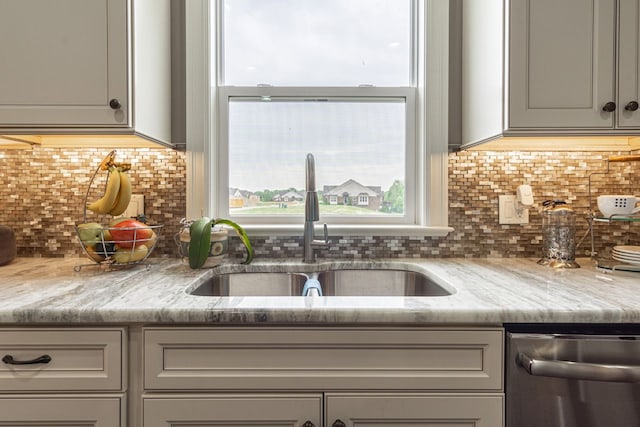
(561, 380)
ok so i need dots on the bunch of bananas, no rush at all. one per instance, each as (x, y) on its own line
(117, 195)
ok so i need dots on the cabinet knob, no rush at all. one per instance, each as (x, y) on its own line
(631, 106)
(115, 104)
(338, 423)
(308, 424)
(609, 107)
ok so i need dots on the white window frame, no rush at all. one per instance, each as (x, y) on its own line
(363, 200)
(203, 129)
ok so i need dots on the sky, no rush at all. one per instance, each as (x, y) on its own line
(336, 43)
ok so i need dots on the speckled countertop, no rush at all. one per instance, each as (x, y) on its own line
(487, 292)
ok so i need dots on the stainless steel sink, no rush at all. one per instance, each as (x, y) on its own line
(334, 283)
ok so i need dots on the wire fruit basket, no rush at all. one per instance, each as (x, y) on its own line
(123, 241)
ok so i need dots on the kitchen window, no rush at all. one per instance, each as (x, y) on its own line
(291, 77)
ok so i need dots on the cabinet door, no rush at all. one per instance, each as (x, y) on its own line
(414, 410)
(628, 63)
(561, 63)
(63, 62)
(45, 411)
(236, 410)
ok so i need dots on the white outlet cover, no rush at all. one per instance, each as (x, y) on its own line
(507, 211)
(136, 206)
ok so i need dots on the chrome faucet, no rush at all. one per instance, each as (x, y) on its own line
(312, 213)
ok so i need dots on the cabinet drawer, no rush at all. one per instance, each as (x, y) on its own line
(67, 410)
(323, 358)
(80, 359)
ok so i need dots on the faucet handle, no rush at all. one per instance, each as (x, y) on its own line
(326, 234)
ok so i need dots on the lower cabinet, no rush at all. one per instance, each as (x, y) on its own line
(236, 410)
(340, 410)
(323, 377)
(69, 410)
(67, 376)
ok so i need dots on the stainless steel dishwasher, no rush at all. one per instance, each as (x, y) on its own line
(576, 377)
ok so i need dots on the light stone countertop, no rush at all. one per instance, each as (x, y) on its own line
(487, 292)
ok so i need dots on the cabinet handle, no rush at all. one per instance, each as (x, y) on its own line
(115, 104)
(308, 424)
(338, 423)
(609, 107)
(631, 106)
(9, 360)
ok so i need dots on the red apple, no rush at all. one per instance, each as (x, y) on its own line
(126, 232)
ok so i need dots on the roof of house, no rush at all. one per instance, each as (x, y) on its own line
(292, 195)
(353, 188)
(236, 192)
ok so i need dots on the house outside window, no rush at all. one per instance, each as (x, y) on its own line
(361, 120)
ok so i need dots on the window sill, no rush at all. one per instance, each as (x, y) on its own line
(350, 230)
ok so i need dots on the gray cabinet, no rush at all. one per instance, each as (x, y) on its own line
(64, 62)
(628, 64)
(65, 410)
(64, 376)
(305, 410)
(415, 410)
(548, 68)
(287, 376)
(561, 63)
(236, 410)
(86, 67)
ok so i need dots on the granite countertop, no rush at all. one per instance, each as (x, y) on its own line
(487, 292)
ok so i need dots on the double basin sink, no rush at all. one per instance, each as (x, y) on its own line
(347, 281)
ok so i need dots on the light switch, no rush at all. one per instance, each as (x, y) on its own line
(507, 211)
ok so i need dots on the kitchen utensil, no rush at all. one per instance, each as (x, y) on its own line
(7, 245)
(618, 204)
(559, 235)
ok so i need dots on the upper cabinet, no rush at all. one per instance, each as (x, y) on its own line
(549, 68)
(628, 64)
(94, 67)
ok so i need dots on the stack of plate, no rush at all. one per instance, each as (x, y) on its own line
(628, 254)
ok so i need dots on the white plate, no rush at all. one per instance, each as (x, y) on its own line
(624, 259)
(629, 250)
(626, 254)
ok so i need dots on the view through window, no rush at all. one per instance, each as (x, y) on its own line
(282, 66)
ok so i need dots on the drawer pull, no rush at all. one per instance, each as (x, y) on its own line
(339, 423)
(9, 360)
(308, 424)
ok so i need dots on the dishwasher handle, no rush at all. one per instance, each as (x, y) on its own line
(578, 370)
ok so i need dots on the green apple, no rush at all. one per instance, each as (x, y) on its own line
(90, 233)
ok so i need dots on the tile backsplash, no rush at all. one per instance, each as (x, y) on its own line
(42, 192)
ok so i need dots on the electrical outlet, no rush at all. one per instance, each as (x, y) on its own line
(136, 206)
(507, 211)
